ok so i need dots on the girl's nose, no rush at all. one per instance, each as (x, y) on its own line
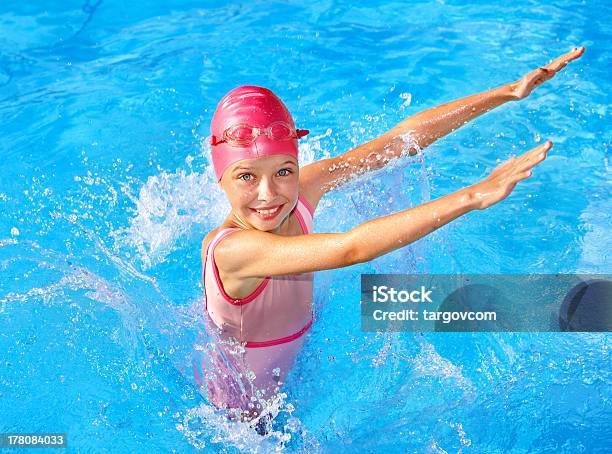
(266, 189)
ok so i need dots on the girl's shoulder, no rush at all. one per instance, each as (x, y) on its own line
(211, 235)
(208, 238)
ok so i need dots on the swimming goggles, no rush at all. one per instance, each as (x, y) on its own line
(244, 134)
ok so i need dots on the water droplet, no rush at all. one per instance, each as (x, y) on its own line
(407, 97)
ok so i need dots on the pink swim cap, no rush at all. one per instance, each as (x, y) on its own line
(257, 107)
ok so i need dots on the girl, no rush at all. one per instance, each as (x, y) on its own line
(259, 264)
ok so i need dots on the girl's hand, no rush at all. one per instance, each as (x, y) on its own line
(524, 86)
(504, 178)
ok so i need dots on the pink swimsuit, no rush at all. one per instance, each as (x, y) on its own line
(268, 323)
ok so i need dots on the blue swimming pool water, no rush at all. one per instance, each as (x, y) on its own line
(106, 192)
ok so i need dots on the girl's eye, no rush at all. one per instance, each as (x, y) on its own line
(284, 172)
(245, 177)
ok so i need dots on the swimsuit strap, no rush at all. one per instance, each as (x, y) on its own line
(218, 237)
(304, 214)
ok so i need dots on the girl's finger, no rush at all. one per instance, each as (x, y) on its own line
(563, 60)
(532, 157)
(522, 176)
(532, 161)
(546, 145)
(535, 151)
(540, 148)
(508, 164)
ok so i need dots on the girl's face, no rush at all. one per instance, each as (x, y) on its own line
(262, 191)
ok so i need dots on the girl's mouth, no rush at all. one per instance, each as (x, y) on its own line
(266, 215)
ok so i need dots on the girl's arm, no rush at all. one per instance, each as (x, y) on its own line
(418, 131)
(254, 253)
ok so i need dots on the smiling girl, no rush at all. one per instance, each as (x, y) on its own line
(259, 263)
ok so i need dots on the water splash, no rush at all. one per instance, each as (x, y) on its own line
(167, 208)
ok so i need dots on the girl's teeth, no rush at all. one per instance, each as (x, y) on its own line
(267, 211)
